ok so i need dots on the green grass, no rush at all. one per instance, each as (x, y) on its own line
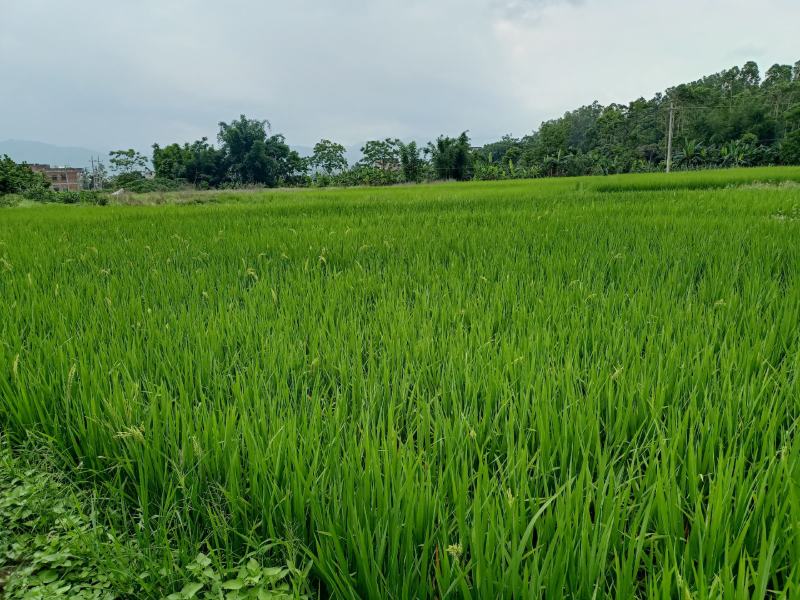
(53, 545)
(50, 546)
(522, 389)
(699, 180)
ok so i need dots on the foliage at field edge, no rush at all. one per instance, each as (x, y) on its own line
(52, 546)
(18, 181)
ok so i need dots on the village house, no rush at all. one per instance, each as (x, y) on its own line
(60, 178)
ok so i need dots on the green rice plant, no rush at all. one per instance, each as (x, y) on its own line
(496, 389)
(699, 180)
(53, 545)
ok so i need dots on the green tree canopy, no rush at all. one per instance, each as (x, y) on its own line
(382, 154)
(451, 157)
(128, 162)
(329, 157)
(412, 164)
(252, 156)
(19, 178)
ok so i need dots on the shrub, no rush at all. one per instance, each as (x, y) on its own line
(68, 197)
(790, 149)
(97, 198)
(157, 184)
(489, 172)
(42, 194)
(8, 200)
(19, 178)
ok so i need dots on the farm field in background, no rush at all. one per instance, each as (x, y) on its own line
(584, 387)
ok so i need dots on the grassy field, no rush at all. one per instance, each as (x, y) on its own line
(575, 387)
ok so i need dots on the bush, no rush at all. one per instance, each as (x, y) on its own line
(489, 172)
(366, 175)
(19, 178)
(41, 195)
(97, 198)
(157, 184)
(126, 180)
(67, 196)
(790, 149)
(323, 180)
(8, 200)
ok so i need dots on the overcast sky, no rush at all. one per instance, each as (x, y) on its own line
(118, 73)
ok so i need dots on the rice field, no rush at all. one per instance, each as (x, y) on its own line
(575, 388)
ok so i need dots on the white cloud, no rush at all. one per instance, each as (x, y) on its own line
(526, 10)
(617, 50)
(105, 74)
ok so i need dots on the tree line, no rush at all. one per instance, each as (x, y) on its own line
(732, 118)
(249, 154)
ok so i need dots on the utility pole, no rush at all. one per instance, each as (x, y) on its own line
(669, 134)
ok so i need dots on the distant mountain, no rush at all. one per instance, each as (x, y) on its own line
(39, 152)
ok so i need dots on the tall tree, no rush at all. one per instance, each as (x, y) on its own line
(128, 162)
(329, 157)
(382, 154)
(451, 157)
(411, 162)
(252, 156)
(169, 162)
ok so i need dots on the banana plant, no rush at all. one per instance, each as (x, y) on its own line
(689, 154)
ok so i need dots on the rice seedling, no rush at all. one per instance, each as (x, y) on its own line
(522, 389)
